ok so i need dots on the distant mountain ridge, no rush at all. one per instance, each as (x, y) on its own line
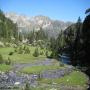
(26, 24)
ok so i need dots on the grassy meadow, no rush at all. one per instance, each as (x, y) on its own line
(74, 78)
(5, 68)
(23, 57)
(38, 69)
(19, 55)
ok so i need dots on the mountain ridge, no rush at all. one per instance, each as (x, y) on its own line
(27, 23)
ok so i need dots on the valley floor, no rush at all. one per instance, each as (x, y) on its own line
(40, 73)
(44, 75)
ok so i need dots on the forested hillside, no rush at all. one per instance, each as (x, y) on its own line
(8, 29)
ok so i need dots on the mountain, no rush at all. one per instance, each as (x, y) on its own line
(26, 24)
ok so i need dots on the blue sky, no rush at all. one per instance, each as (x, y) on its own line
(66, 10)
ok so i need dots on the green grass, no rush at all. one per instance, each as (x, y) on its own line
(6, 50)
(25, 58)
(21, 58)
(5, 68)
(74, 78)
(38, 69)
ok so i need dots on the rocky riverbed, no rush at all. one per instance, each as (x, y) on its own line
(14, 79)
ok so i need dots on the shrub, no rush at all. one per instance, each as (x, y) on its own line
(36, 53)
(53, 55)
(15, 50)
(46, 53)
(20, 51)
(27, 51)
(24, 48)
(1, 59)
(8, 62)
(11, 53)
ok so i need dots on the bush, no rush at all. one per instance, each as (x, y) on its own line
(24, 48)
(1, 59)
(11, 53)
(20, 51)
(15, 50)
(36, 53)
(27, 51)
(8, 62)
(53, 55)
(46, 53)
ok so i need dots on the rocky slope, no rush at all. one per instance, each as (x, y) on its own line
(25, 23)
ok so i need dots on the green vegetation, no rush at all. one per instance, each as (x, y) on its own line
(8, 29)
(8, 62)
(25, 57)
(59, 87)
(74, 78)
(5, 68)
(36, 53)
(38, 69)
(75, 40)
(1, 59)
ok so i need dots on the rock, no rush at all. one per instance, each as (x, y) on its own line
(56, 73)
(17, 83)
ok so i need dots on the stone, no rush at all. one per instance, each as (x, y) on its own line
(17, 83)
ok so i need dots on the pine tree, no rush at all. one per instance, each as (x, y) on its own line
(46, 53)
(36, 53)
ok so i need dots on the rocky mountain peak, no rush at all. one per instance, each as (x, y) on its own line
(26, 23)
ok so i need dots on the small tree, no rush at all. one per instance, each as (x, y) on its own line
(36, 53)
(1, 59)
(46, 53)
(8, 62)
(20, 50)
(11, 53)
(24, 48)
(27, 51)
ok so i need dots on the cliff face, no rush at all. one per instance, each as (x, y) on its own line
(25, 23)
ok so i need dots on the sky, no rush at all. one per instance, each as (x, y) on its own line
(65, 10)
